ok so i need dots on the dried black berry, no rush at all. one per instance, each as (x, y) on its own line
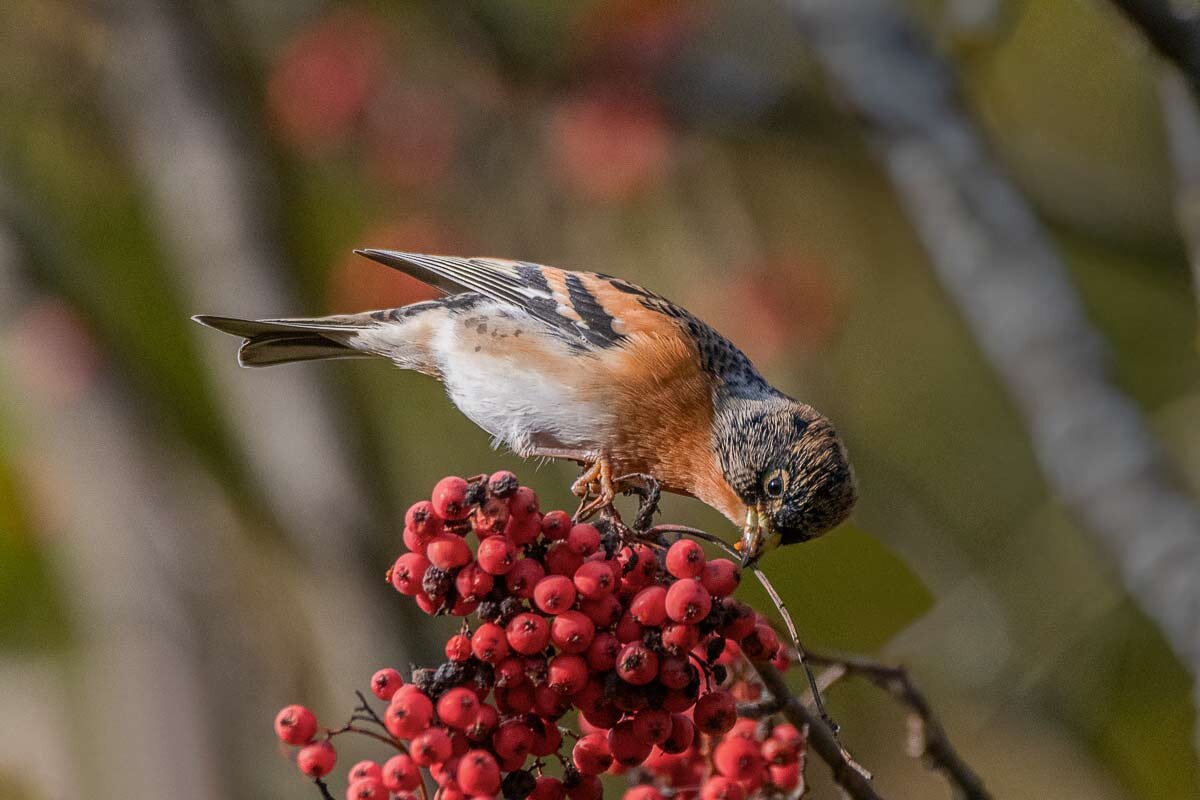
(437, 582)
(518, 785)
(503, 484)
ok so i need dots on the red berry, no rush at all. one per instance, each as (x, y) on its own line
(562, 560)
(490, 518)
(720, 577)
(628, 629)
(400, 773)
(715, 712)
(365, 769)
(641, 562)
(674, 672)
(546, 740)
(643, 792)
(431, 747)
(423, 521)
(517, 699)
(510, 671)
(602, 652)
(588, 787)
(295, 725)
(523, 577)
(524, 503)
(652, 725)
(549, 704)
(627, 748)
(366, 789)
(408, 572)
(679, 638)
(485, 723)
(761, 644)
(489, 643)
(317, 759)
(584, 539)
(594, 579)
(523, 530)
(556, 525)
(572, 631)
(785, 777)
(591, 754)
(458, 708)
(685, 559)
(478, 773)
(458, 647)
(746, 729)
(738, 758)
(789, 735)
(385, 682)
(409, 714)
(567, 673)
(637, 664)
(447, 551)
(512, 740)
(450, 498)
(649, 606)
(718, 787)
(528, 633)
(496, 555)
(547, 788)
(683, 733)
(472, 582)
(740, 620)
(605, 611)
(687, 601)
(554, 594)
(427, 603)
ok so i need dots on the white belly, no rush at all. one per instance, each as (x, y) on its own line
(512, 393)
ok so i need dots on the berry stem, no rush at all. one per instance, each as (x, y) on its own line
(324, 789)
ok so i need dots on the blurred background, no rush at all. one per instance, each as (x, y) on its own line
(186, 546)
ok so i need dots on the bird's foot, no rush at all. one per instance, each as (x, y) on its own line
(597, 479)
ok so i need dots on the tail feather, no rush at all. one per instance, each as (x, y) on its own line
(285, 341)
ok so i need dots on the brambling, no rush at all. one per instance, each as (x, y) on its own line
(591, 368)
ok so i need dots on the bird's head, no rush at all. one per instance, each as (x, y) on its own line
(789, 466)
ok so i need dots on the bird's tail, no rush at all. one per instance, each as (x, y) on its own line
(284, 341)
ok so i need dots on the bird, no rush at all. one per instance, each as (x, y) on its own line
(586, 367)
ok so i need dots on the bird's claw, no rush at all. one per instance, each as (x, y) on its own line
(596, 479)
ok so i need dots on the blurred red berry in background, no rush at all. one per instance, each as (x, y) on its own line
(609, 146)
(319, 85)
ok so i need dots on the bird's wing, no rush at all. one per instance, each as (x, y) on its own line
(597, 311)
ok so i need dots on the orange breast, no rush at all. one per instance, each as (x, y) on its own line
(665, 418)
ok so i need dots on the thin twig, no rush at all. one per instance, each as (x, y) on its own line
(935, 744)
(325, 795)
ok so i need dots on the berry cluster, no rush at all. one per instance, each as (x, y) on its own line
(643, 641)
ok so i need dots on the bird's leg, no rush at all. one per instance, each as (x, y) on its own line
(599, 473)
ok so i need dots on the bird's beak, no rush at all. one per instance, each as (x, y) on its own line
(757, 536)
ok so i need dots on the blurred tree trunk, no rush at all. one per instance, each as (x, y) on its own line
(216, 221)
(999, 266)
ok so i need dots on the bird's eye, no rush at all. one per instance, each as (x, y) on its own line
(774, 485)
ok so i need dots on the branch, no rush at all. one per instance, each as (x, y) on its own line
(998, 265)
(935, 743)
(1173, 31)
